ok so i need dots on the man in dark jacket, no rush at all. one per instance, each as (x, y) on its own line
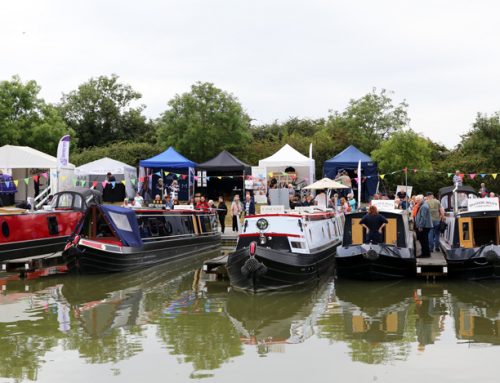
(249, 205)
(222, 212)
(423, 224)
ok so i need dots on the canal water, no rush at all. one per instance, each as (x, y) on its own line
(177, 324)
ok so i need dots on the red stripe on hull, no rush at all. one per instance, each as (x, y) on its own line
(271, 235)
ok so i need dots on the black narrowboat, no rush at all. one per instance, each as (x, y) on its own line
(393, 258)
(115, 239)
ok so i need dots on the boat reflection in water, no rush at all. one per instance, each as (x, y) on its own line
(274, 319)
(477, 312)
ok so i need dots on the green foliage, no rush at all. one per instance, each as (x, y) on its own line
(100, 111)
(25, 118)
(128, 152)
(368, 121)
(203, 122)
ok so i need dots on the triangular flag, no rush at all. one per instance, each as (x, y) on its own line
(483, 175)
(104, 183)
(7, 183)
(472, 176)
(83, 183)
(178, 175)
(363, 179)
(158, 174)
(494, 175)
(382, 176)
(219, 177)
(123, 182)
(415, 170)
(45, 175)
(36, 178)
(133, 181)
(74, 181)
(231, 177)
(184, 176)
(208, 178)
(141, 179)
(63, 178)
(270, 174)
(450, 174)
(113, 183)
(356, 179)
(26, 180)
(94, 184)
(16, 182)
(196, 178)
(167, 173)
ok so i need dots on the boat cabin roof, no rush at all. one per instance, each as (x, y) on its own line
(460, 189)
(77, 198)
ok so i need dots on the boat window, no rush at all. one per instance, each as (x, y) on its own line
(78, 202)
(64, 200)
(465, 231)
(188, 225)
(205, 224)
(5, 229)
(444, 202)
(120, 220)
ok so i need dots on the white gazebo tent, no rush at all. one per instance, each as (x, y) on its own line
(18, 160)
(289, 157)
(97, 170)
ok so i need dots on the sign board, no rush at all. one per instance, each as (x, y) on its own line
(483, 204)
(304, 209)
(259, 184)
(274, 209)
(183, 207)
(403, 188)
(383, 204)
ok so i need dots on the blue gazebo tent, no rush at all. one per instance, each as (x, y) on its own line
(174, 163)
(348, 160)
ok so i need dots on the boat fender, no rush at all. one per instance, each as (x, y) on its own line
(252, 265)
(371, 255)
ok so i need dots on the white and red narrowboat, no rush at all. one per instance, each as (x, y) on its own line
(113, 239)
(471, 236)
(25, 233)
(277, 251)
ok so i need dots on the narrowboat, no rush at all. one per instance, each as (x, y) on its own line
(395, 257)
(26, 233)
(114, 239)
(291, 249)
(471, 239)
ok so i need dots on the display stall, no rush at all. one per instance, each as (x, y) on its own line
(224, 175)
(287, 166)
(348, 160)
(175, 171)
(22, 161)
(96, 171)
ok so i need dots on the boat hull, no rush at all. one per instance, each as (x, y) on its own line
(356, 262)
(88, 260)
(279, 269)
(474, 264)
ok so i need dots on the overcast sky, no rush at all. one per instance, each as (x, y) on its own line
(280, 58)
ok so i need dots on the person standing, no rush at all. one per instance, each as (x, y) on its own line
(437, 215)
(374, 223)
(351, 201)
(483, 192)
(423, 224)
(249, 205)
(222, 212)
(202, 204)
(236, 210)
(457, 178)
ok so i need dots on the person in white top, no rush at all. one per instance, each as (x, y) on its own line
(320, 200)
(139, 201)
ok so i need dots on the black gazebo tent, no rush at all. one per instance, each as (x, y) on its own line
(226, 174)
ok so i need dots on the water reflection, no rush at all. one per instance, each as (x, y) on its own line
(196, 321)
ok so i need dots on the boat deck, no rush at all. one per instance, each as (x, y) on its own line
(432, 267)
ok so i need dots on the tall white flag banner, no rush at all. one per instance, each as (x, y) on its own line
(63, 152)
(360, 178)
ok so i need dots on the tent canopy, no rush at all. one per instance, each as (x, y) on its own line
(225, 162)
(168, 159)
(97, 170)
(348, 159)
(24, 157)
(326, 183)
(289, 157)
(103, 166)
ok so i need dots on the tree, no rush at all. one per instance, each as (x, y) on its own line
(25, 118)
(203, 122)
(368, 121)
(405, 149)
(100, 111)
